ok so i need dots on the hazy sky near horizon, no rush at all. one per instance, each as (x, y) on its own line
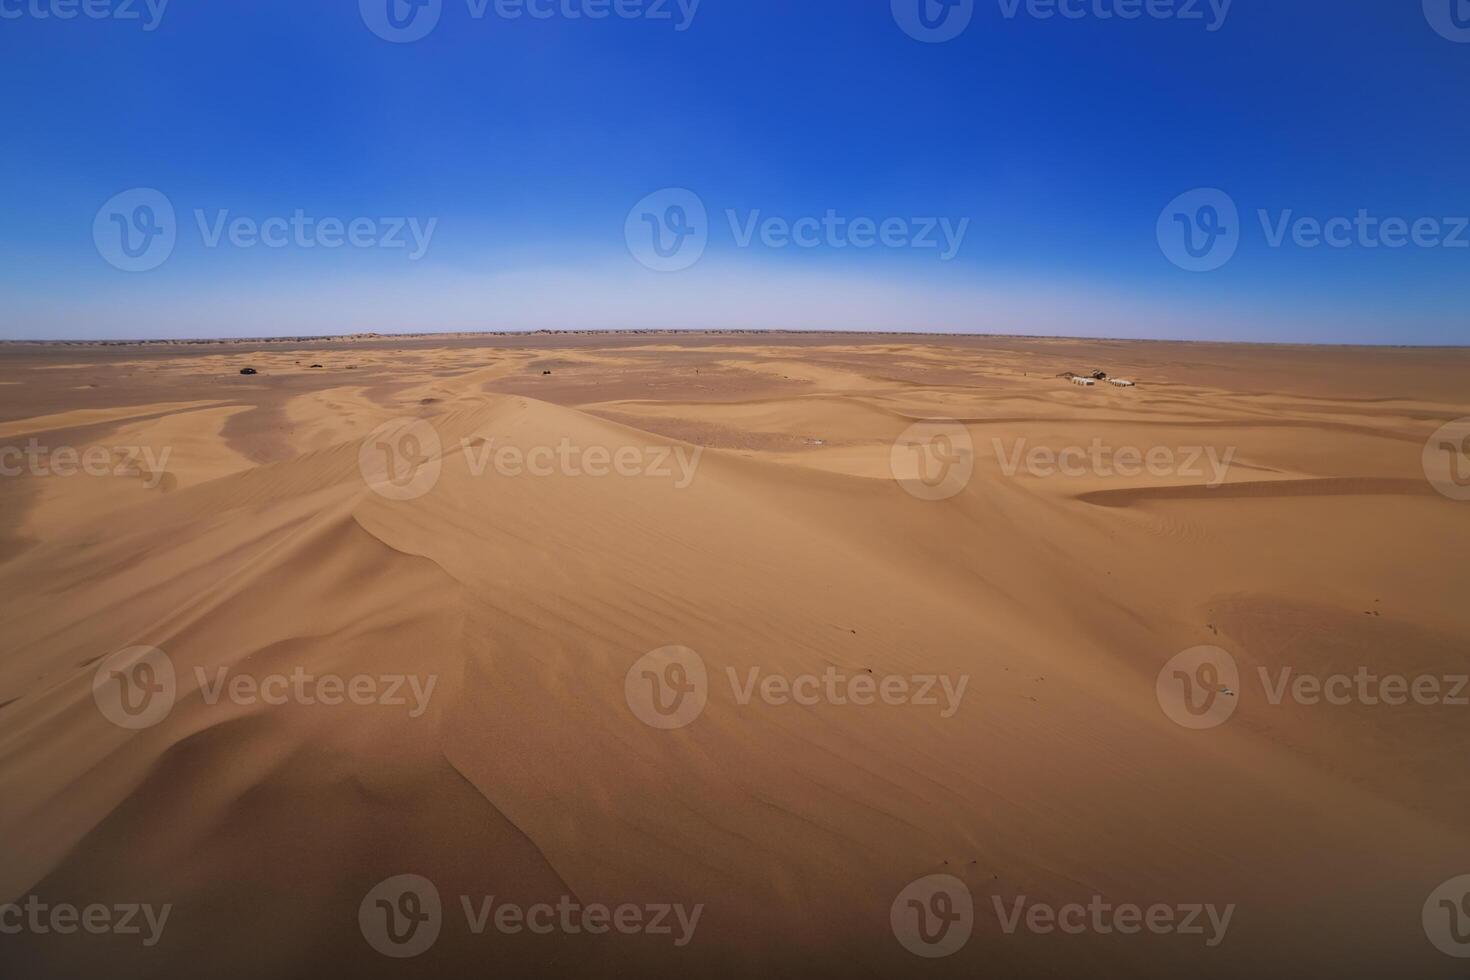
(1254, 170)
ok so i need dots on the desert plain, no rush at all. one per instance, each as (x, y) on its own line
(762, 630)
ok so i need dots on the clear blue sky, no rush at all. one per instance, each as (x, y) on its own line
(528, 141)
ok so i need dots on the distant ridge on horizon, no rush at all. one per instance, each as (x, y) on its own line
(685, 332)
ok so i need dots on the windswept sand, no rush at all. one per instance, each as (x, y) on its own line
(259, 547)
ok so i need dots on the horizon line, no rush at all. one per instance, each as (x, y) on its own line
(690, 331)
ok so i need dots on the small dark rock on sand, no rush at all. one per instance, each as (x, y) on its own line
(249, 371)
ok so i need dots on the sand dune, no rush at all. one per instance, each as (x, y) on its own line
(754, 519)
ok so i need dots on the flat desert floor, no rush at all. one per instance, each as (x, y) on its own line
(733, 655)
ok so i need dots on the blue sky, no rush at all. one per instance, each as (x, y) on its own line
(530, 152)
